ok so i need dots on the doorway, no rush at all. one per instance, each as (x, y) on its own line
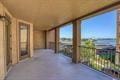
(24, 40)
(8, 41)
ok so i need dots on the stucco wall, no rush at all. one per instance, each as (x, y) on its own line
(14, 41)
(51, 39)
(39, 39)
(2, 51)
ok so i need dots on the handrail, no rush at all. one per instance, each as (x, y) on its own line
(101, 60)
(96, 48)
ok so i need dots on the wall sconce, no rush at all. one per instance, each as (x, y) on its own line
(4, 18)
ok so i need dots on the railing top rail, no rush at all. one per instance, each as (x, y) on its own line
(96, 48)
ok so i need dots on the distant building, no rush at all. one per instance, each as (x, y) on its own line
(105, 49)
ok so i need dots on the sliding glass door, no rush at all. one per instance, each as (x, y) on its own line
(24, 40)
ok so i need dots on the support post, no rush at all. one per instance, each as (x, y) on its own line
(56, 40)
(46, 42)
(76, 41)
(117, 56)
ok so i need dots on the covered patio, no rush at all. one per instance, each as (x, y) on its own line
(30, 39)
(45, 65)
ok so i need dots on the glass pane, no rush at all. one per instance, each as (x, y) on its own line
(23, 40)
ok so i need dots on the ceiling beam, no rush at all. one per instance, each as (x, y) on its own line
(89, 14)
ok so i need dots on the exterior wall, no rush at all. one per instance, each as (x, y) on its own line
(14, 41)
(39, 39)
(13, 36)
(2, 47)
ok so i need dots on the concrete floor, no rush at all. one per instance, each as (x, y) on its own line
(46, 65)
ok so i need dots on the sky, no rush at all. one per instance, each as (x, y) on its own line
(101, 26)
(66, 31)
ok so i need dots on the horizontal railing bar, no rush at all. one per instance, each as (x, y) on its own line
(104, 61)
(96, 48)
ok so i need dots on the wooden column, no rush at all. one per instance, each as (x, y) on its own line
(46, 41)
(76, 41)
(117, 59)
(56, 40)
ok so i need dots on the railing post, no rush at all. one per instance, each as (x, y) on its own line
(56, 40)
(76, 41)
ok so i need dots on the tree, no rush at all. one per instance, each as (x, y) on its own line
(88, 50)
(90, 43)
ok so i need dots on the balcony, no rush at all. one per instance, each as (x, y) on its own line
(37, 23)
(46, 65)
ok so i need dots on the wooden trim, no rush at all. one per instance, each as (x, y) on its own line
(28, 39)
(55, 40)
(8, 39)
(117, 33)
(89, 14)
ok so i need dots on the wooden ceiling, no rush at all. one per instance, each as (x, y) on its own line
(46, 14)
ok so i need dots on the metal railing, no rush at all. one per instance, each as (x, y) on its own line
(65, 49)
(101, 60)
(51, 45)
